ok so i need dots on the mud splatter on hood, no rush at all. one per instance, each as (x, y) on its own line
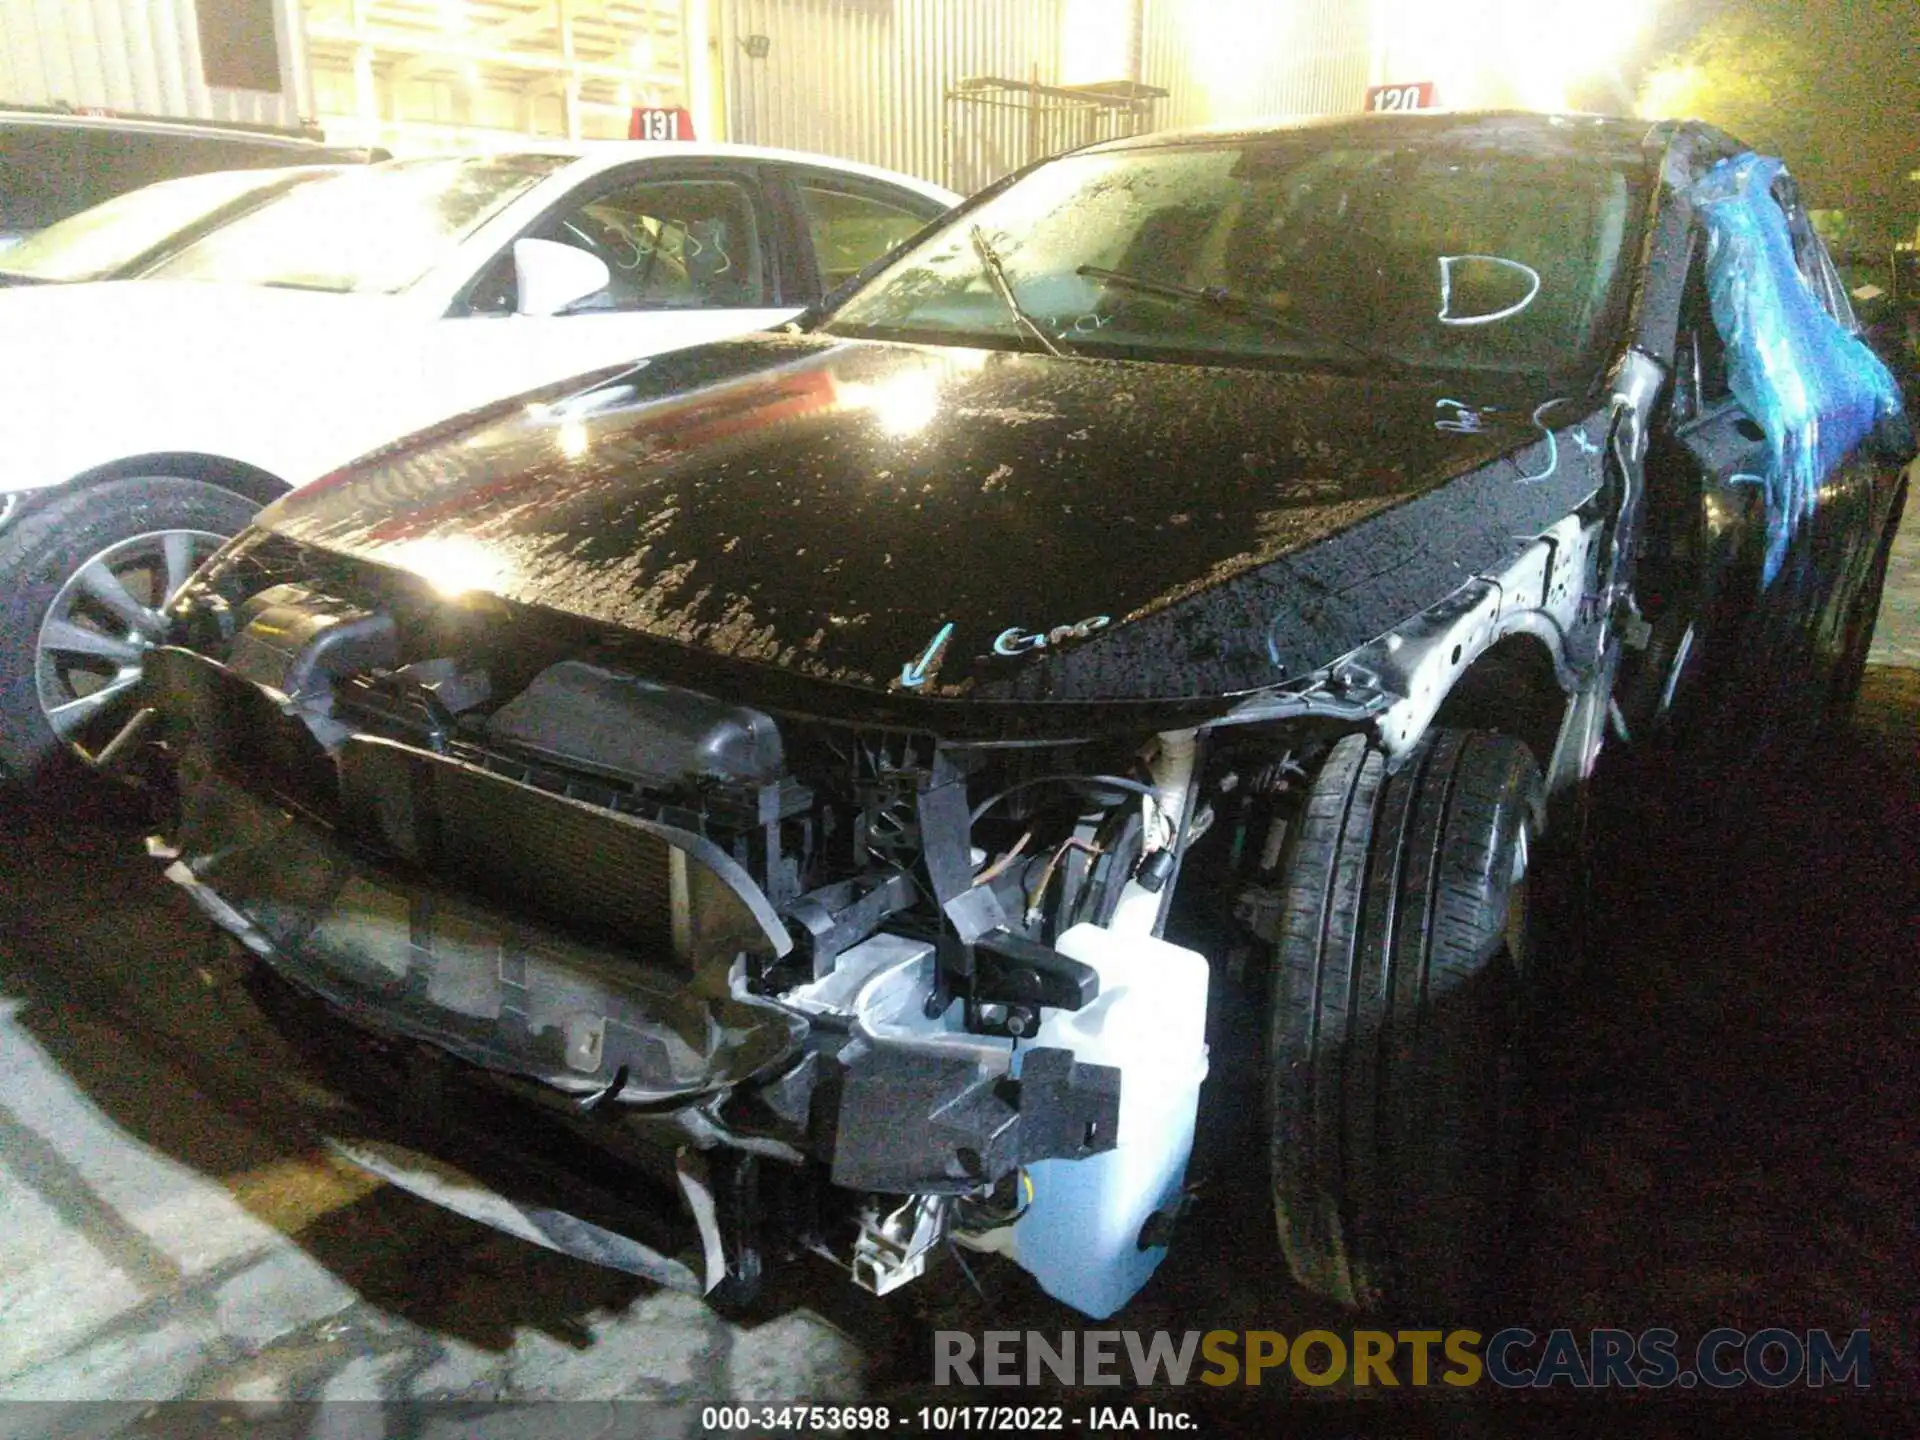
(927, 520)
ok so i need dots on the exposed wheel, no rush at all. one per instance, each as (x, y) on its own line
(1393, 1085)
(83, 578)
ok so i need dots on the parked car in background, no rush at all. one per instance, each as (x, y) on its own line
(340, 315)
(826, 792)
(121, 237)
(54, 163)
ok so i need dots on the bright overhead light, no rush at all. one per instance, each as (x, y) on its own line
(1530, 53)
(1673, 90)
(1220, 39)
(1093, 41)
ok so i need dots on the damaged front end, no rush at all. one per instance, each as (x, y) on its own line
(859, 992)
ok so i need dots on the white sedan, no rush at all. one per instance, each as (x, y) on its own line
(143, 421)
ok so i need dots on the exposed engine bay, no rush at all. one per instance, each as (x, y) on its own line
(873, 990)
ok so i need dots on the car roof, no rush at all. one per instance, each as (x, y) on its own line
(162, 125)
(1553, 132)
(259, 177)
(592, 156)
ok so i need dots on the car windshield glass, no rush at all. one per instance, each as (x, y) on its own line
(97, 243)
(1302, 251)
(375, 229)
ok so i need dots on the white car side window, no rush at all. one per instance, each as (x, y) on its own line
(851, 229)
(689, 244)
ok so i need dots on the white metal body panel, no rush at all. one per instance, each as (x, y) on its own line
(296, 383)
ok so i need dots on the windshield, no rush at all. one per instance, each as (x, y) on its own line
(98, 243)
(1296, 251)
(374, 229)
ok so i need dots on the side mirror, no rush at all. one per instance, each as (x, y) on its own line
(549, 276)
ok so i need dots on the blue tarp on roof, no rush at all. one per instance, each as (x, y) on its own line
(1814, 389)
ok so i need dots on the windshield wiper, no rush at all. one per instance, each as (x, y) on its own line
(997, 273)
(1220, 298)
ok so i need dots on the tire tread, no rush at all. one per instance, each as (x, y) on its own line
(1395, 899)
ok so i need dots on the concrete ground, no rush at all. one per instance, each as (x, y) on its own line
(1729, 1140)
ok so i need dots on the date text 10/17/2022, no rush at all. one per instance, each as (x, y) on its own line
(945, 1419)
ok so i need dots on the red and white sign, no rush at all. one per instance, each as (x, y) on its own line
(1417, 95)
(660, 122)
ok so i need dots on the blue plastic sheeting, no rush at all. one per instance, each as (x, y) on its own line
(1814, 389)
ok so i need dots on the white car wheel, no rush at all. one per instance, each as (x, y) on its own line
(83, 579)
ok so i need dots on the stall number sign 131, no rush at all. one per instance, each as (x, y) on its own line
(1417, 96)
(660, 122)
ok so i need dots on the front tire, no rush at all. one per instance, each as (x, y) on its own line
(1393, 1086)
(83, 577)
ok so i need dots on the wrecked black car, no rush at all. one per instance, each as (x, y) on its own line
(758, 786)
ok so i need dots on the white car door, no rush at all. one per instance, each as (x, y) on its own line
(690, 250)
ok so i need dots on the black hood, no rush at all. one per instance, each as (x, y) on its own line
(955, 523)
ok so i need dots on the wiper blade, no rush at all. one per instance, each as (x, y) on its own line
(997, 273)
(1220, 298)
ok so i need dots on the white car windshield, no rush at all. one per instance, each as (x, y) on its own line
(371, 230)
(1303, 251)
(97, 243)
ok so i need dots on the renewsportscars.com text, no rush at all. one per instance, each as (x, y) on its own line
(1514, 1358)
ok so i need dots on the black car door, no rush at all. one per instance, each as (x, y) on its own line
(1864, 496)
(1752, 646)
(1698, 562)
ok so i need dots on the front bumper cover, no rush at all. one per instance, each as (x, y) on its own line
(412, 895)
(406, 950)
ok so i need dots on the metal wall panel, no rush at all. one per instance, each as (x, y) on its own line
(138, 57)
(870, 79)
(866, 79)
(1232, 60)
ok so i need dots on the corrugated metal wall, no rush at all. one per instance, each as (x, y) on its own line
(136, 56)
(865, 79)
(1228, 60)
(868, 79)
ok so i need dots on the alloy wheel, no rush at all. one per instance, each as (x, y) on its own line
(95, 635)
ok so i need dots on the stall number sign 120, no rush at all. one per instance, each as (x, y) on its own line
(1418, 96)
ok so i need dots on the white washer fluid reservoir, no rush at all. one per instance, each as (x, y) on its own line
(1080, 1235)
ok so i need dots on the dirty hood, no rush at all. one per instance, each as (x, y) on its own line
(935, 522)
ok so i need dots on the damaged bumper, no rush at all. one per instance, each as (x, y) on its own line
(549, 986)
(409, 956)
